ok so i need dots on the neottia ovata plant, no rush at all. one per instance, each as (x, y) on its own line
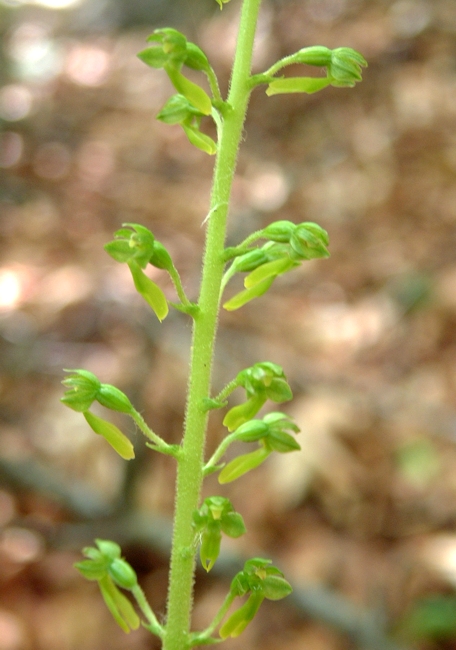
(262, 256)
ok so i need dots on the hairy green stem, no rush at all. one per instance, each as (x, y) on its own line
(140, 598)
(158, 443)
(190, 463)
(226, 392)
(218, 453)
(205, 634)
(175, 277)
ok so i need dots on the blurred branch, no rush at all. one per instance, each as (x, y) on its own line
(76, 498)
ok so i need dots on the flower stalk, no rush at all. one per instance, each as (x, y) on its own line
(287, 246)
(190, 465)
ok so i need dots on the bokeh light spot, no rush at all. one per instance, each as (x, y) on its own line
(10, 289)
(11, 148)
(15, 102)
(87, 65)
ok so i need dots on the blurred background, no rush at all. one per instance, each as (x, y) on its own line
(363, 520)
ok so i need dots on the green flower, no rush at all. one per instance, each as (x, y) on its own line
(85, 388)
(105, 565)
(346, 67)
(262, 381)
(289, 244)
(271, 433)
(171, 50)
(216, 516)
(177, 110)
(132, 243)
(261, 580)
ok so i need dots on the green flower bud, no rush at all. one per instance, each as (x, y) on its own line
(345, 67)
(272, 429)
(251, 431)
(82, 378)
(307, 85)
(309, 241)
(319, 232)
(221, 3)
(200, 140)
(160, 257)
(243, 464)
(118, 441)
(123, 574)
(316, 55)
(279, 231)
(249, 261)
(345, 74)
(151, 293)
(348, 54)
(114, 399)
(278, 420)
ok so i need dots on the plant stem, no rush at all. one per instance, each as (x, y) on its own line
(190, 463)
(140, 598)
(159, 443)
(205, 634)
(218, 453)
